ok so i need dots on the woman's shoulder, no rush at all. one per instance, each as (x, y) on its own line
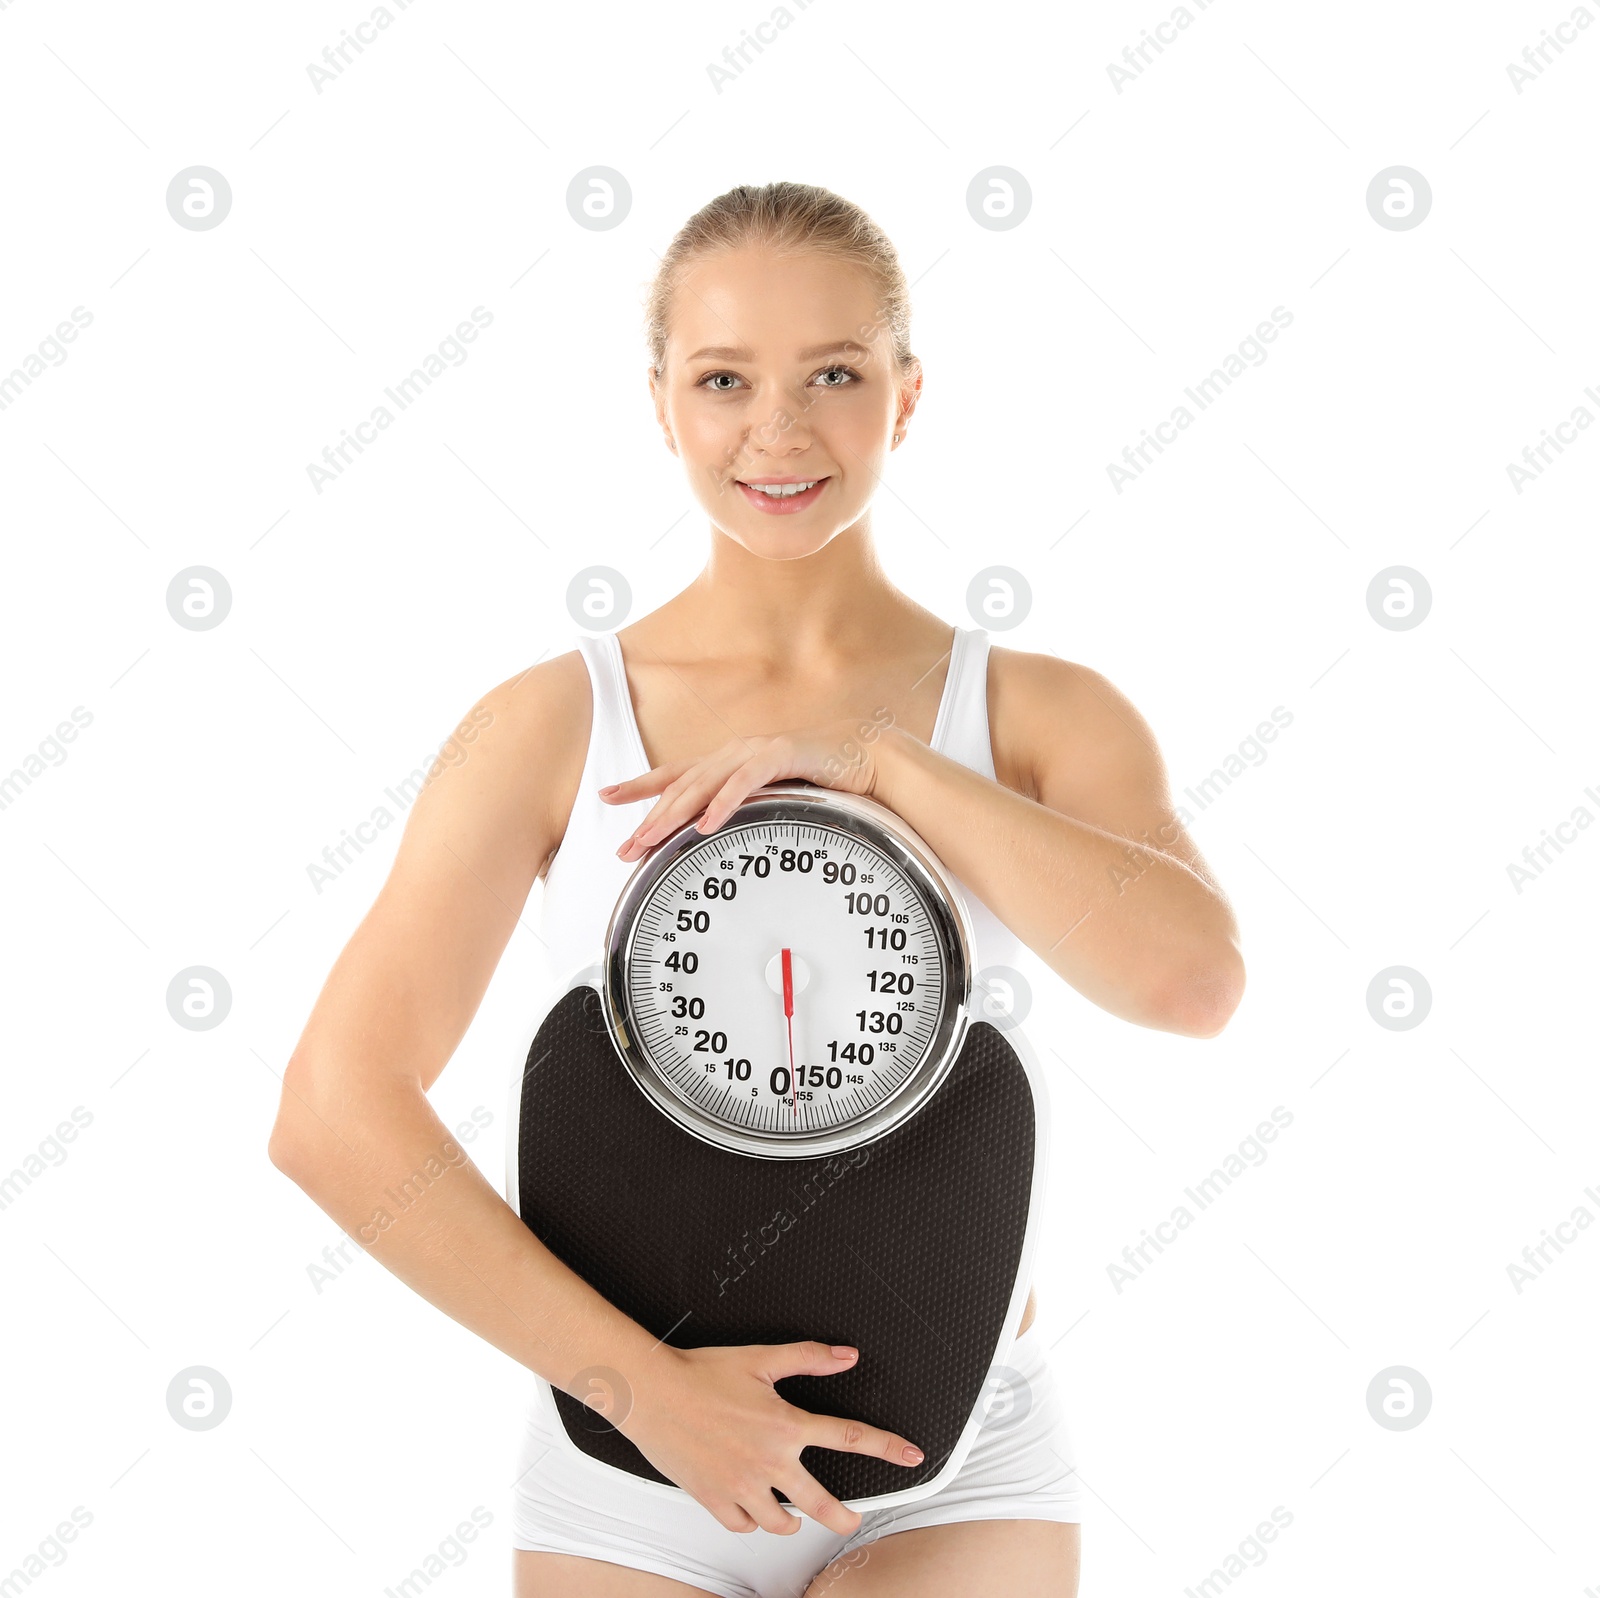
(549, 697)
(1049, 715)
(533, 731)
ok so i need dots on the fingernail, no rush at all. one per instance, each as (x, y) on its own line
(842, 1351)
(912, 1456)
(611, 787)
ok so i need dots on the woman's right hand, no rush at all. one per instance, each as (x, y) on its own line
(713, 1422)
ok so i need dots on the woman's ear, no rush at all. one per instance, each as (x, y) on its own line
(910, 392)
(658, 398)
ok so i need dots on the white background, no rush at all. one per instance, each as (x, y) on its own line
(1167, 220)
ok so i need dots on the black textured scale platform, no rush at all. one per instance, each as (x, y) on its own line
(907, 1248)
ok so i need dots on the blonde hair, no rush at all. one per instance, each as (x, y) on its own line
(785, 217)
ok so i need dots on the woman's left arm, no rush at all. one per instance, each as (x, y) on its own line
(1075, 847)
(1095, 874)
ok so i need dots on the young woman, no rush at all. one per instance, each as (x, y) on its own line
(782, 378)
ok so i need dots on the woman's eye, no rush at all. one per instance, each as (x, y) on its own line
(709, 381)
(841, 371)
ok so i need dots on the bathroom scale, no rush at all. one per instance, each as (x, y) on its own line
(774, 1109)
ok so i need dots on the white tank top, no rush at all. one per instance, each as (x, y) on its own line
(586, 878)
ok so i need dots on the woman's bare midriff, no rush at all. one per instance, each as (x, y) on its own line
(675, 723)
(1027, 1313)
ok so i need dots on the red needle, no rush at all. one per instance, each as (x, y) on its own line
(788, 1011)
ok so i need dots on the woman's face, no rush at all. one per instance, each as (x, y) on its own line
(777, 371)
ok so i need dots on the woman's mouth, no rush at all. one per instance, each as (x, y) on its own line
(781, 496)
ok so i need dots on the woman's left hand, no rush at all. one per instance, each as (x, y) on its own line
(836, 754)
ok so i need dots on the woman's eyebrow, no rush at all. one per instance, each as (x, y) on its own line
(727, 352)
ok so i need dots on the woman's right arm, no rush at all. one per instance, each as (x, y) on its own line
(355, 1126)
(354, 1122)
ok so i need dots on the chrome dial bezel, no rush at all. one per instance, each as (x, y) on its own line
(879, 827)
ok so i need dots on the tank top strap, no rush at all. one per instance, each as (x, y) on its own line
(962, 732)
(615, 749)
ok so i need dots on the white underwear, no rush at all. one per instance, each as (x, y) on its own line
(1020, 1467)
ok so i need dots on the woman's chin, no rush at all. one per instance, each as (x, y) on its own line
(783, 539)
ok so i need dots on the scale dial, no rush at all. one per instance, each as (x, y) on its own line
(796, 982)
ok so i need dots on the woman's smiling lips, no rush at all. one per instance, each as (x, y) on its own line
(785, 504)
